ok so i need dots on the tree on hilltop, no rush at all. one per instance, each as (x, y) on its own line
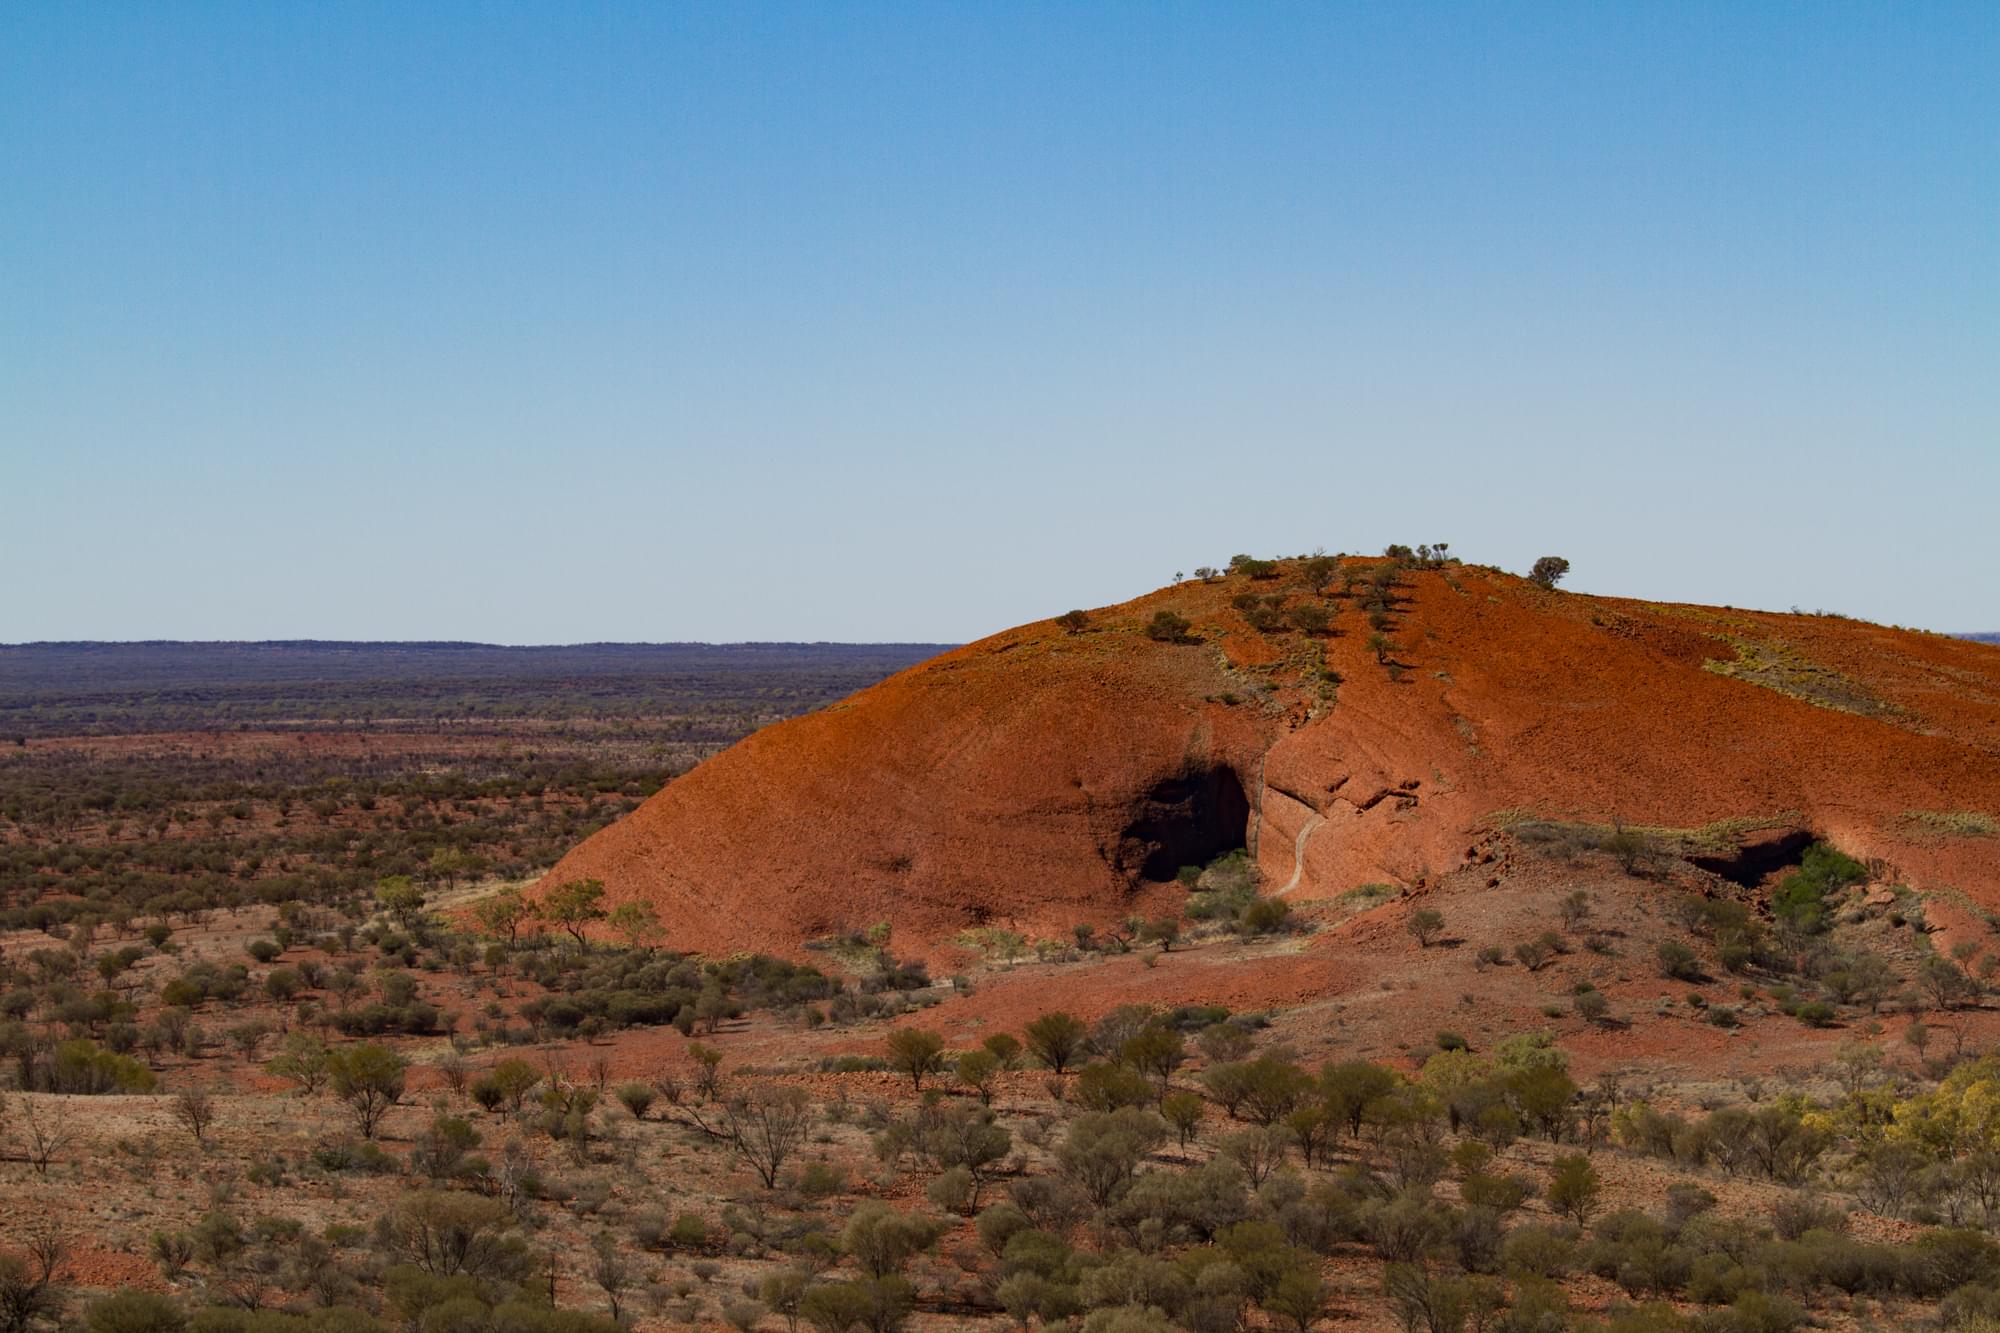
(1548, 571)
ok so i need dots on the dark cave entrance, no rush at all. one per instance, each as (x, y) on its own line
(1187, 820)
(1759, 856)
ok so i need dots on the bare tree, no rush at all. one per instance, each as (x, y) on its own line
(27, 1287)
(610, 1271)
(23, 1297)
(47, 1247)
(766, 1124)
(194, 1111)
(47, 1135)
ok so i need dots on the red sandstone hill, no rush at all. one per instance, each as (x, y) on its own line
(1044, 777)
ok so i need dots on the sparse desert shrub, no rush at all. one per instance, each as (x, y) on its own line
(1632, 849)
(134, 1312)
(1311, 619)
(1105, 1086)
(1264, 917)
(1426, 925)
(1535, 954)
(1678, 962)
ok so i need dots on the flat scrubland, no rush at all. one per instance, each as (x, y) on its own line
(1608, 1089)
(334, 1073)
(137, 777)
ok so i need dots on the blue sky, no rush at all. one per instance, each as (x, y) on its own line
(541, 323)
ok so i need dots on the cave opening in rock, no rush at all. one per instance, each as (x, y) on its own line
(1759, 856)
(1186, 820)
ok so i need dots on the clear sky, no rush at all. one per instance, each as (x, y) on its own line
(537, 322)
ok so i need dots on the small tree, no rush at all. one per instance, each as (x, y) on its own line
(503, 914)
(1299, 1297)
(369, 1078)
(575, 905)
(25, 1297)
(1056, 1039)
(449, 1233)
(1574, 1186)
(611, 1271)
(1319, 571)
(1426, 924)
(881, 1241)
(1166, 627)
(1075, 622)
(978, 1070)
(48, 1135)
(513, 1079)
(1183, 1110)
(302, 1059)
(1548, 571)
(1543, 1095)
(1945, 984)
(194, 1111)
(782, 1292)
(447, 864)
(1157, 1051)
(399, 896)
(637, 924)
(1005, 1047)
(1310, 619)
(916, 1052)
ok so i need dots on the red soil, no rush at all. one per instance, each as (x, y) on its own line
(1009, 782)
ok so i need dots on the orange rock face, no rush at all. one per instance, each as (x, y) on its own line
(1044, 777)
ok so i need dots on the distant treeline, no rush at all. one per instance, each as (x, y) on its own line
(102, 688)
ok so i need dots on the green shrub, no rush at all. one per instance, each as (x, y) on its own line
(135, 1312)
(1678, 961)
(1264, 917)
(1825, 870)
(1105, 1086)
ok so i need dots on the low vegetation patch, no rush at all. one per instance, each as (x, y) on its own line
(1942, 824)
(1776, 666)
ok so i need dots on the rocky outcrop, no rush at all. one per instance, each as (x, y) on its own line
(1044, 777)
